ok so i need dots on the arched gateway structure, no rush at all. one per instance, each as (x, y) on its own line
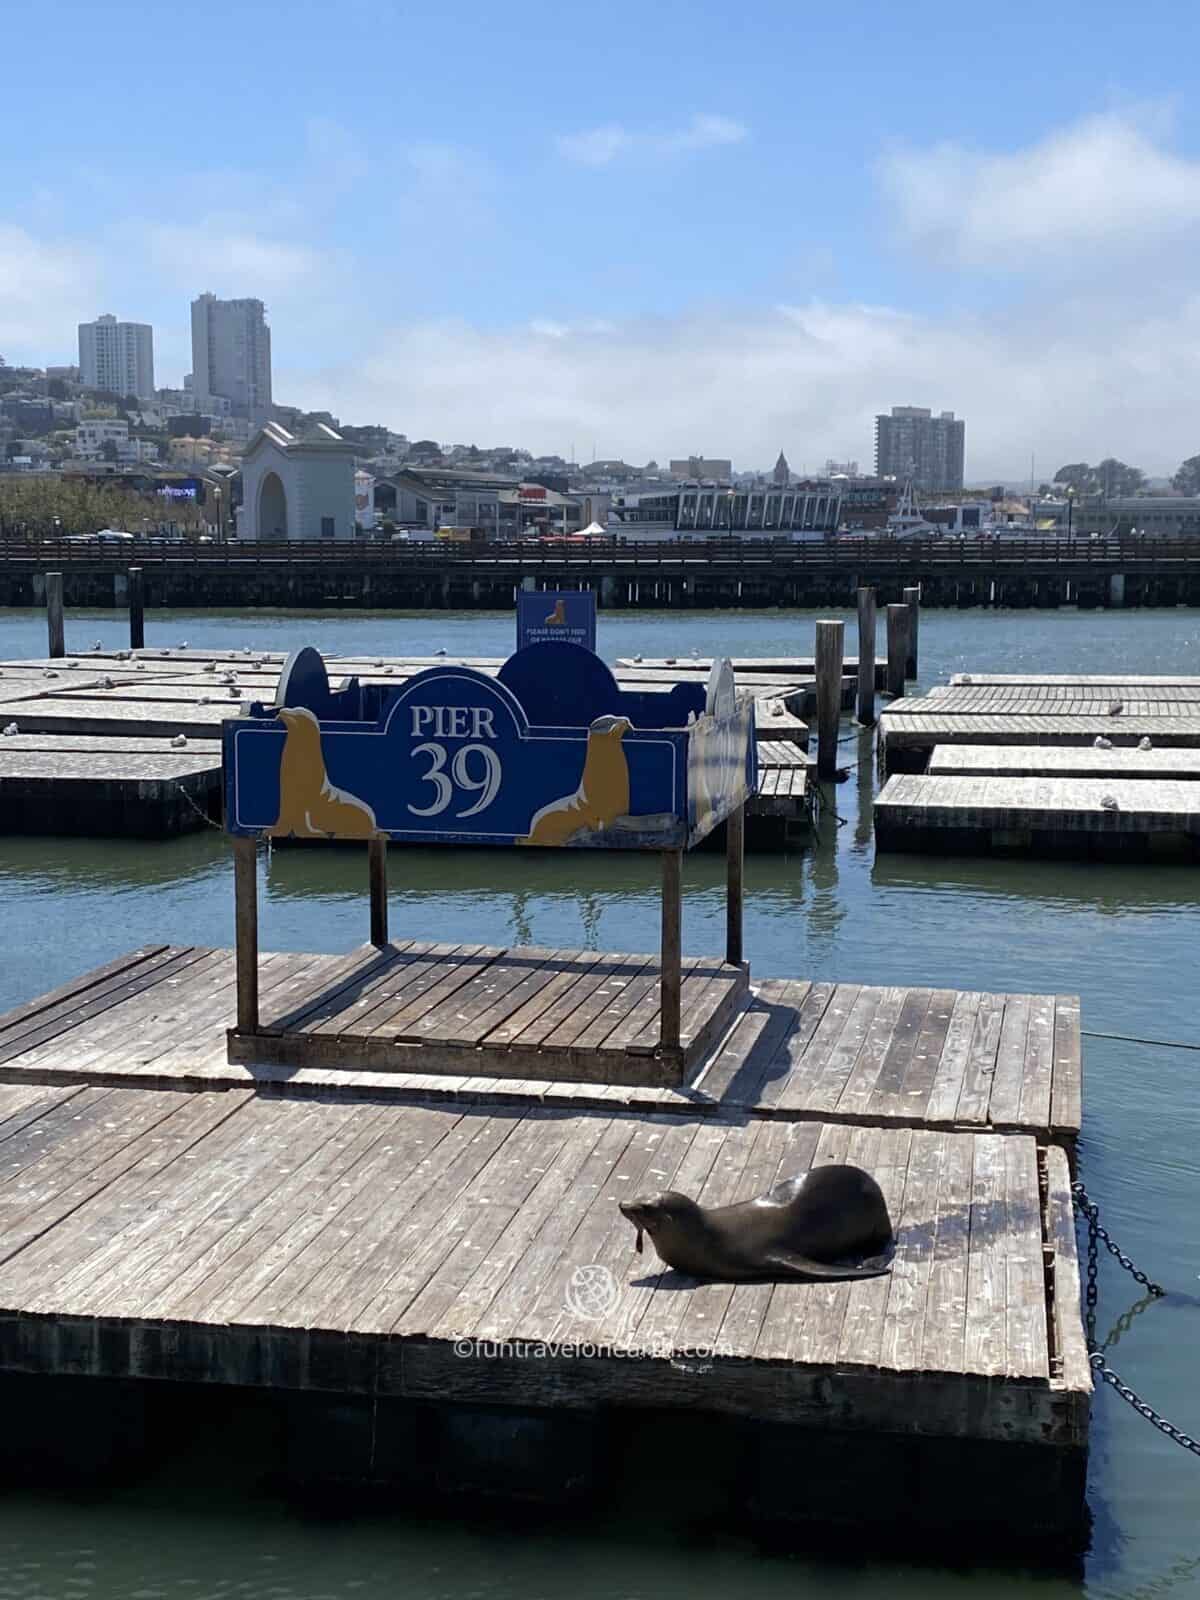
(297, 487)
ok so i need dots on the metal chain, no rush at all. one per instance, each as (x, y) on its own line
(1099, 1364)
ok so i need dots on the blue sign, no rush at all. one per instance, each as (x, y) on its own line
(562, 616)
(454, 756)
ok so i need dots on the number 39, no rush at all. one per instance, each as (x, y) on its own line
(487, 786)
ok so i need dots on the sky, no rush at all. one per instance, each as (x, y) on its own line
(645, 230)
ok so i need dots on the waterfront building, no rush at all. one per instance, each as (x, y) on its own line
(487, 505)
(702, 467)
(231, 356)
(297, 488)
(710, 510)
(913, 443)
(782, 474)
(117, 356)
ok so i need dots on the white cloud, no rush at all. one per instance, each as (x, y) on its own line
(808, 378)
(1102, 183)
(229, 255)
(46, 288)
(597, 147)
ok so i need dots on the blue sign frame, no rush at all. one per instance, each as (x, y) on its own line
(561, 616)
(549, 752)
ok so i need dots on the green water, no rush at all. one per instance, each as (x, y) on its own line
(1125, 938)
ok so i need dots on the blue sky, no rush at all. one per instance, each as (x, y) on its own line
(653, 229)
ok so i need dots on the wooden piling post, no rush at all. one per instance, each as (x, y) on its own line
(912, 599)
(137, 615)
(671, 955)
(54, 613)
(735, 862)
(897, 649)
(830, 655)
(245, 898)
(864, 708)
(377, 872)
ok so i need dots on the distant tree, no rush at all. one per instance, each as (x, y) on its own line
(1079, 476)
(1187, 479)
(1117, 480)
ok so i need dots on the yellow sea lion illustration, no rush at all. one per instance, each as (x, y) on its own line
(309, 805)
(602, 795)
(559, 614)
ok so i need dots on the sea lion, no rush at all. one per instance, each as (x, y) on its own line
(559, 614)
(602, 795)
(309, 805)
(804, 1227)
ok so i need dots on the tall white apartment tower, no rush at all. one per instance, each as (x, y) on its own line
(117, 356)
(231, 355)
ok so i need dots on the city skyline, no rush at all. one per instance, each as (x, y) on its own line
(650, 262)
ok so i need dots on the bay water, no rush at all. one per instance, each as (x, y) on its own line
(1126, 938)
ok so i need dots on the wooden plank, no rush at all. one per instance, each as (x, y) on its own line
(984, 1348)
(457, 1019)
(829, 1077)
(809, 1015)
(861, 1338)
(943, 1332)
(1067, 1090)
(1070, 1346)
(952, 1064)
(916, 1229)
(1005, 1104)
(976, 1092)
(911, 1099)
(888, 1047)
(418, 1005)
(539, 1016)
(736, 1072)
(245, 894)
(808, 1055)
(1038, 1069)
(1026, 1352)
(43, 1003)
(355, 1272)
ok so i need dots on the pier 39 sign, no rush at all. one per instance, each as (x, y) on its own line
(550, 752)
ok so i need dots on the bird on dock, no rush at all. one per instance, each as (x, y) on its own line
(966, 678)
(97, 645)
(1144, 742)
(695, 654)
(776, 708)
(179, 741)
(1109, 802)
(183, 644)
(210, 666)
(49, 673)
(1101, 743)
(440, 651)
(379, 661)
(10, 728)
(637, 658)
(1115, 707)
(107, 683)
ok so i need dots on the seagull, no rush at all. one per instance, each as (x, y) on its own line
(183, 644)
(1109, 803)
(695, 654)
(10, 728)
(776, 708)
(1144, 742)
(379, 662)
(1101, 743)
(210, 666)
(49, 673)
(97, 645)
(1115, 707)
(637, 658)
(235, 691)
(122, 655)
(670, 661)
(107, 683)
(180, 739)
(440, 652)
(247, 650)
(966, 678)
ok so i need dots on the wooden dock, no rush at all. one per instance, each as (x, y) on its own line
(906, 740)
(1052, 761)
(90, 785)
(1125, 818)
(370, 1242)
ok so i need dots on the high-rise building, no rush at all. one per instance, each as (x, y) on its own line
(231, 355)
(913, 443)
(117, 356)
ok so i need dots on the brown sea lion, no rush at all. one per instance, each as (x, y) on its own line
(602, 795)
(309, 805)
(804, 1227)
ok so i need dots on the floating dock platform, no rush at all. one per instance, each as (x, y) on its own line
(401, 1274)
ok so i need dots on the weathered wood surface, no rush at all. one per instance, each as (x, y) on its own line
(987, 703)
(1033, 761)
(1051, 679)
(906, 730)
(796, 1051)
(236, 1239)
(1064, 805)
